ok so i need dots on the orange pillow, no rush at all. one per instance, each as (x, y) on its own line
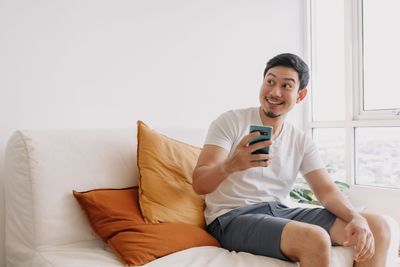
(147, 242)
(115, 216)
(165, 185)
(110, 211)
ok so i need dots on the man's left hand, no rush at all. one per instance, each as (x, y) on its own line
(359, 235)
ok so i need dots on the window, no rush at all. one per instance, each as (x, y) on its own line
(330, 143)
(378, 156)
(328, 102)
(354, 114)
(381, 55)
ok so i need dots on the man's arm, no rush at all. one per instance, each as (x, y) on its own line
(214, 165)
(357, 231)
(329, 195)
(210, 170)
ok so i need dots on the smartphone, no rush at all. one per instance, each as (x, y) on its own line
(265, 134)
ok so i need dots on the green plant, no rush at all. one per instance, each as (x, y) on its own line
(302, 193)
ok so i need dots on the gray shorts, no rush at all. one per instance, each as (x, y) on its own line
(257, 228)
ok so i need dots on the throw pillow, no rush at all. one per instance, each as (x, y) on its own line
(146, 242)
(115, 216)
(165, 185)
(110, 211)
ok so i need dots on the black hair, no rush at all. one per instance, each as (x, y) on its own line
(291, 61)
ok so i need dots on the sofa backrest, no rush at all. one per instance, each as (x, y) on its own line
(43, 167)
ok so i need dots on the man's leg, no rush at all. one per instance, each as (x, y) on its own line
(280, 238)
(309, 244)
(380, 231)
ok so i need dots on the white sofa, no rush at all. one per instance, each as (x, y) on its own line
(46, 227)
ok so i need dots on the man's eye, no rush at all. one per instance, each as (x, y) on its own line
(270, 82)
(287, 86)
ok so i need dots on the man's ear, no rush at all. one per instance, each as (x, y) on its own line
(301, 95)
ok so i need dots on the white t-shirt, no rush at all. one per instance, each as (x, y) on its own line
(292, 151)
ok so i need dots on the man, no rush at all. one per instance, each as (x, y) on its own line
(243, 191)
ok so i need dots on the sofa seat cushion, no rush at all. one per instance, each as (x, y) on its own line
(95, 253)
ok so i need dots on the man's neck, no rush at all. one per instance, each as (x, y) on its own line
(276, 123)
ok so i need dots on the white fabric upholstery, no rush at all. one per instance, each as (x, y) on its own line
(93, 254)
(46, 227)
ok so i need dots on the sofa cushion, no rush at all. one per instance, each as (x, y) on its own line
(110, 211)
(165, 184)
(143, 243)
(115, 216)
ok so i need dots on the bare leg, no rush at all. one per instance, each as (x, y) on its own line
(380, 231)
(309, 244)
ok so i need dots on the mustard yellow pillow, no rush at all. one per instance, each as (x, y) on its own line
(165, 185)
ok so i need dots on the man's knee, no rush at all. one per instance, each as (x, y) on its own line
(305, 240)
(318, 238)
(379, 227)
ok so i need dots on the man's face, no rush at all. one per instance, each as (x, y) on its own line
(280, 91)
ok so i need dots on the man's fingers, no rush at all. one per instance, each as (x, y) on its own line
(350, 242)
(372, 247)
(259, 145)
(360, 243)
(261, 158)
(350, 237)
(260, 163)
(248, 138)
(368, 250)
(363, 245)
(357, 233)
(347, 243)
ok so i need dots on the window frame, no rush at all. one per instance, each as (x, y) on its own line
(355, 115)
(354, 18)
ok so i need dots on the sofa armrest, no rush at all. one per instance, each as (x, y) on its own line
(393, 253)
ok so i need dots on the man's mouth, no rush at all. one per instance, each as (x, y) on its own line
(274, 101)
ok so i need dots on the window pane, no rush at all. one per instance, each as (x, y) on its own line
(378, 156)
(381, 54)
(328, 79)
(330, 142)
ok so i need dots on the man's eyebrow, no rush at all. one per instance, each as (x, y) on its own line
(288, 79)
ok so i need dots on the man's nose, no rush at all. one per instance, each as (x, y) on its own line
(275, 91)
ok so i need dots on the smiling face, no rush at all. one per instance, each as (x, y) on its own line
(280, 91)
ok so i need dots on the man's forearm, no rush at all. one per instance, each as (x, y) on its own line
(330, 196)
(338, 204)
(207, 178)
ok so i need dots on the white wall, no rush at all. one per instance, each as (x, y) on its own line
(98, 63)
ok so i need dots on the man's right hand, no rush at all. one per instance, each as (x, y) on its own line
(243, 158)
(215, 165)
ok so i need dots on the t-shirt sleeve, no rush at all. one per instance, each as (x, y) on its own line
(221, 132)
(311, 160)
